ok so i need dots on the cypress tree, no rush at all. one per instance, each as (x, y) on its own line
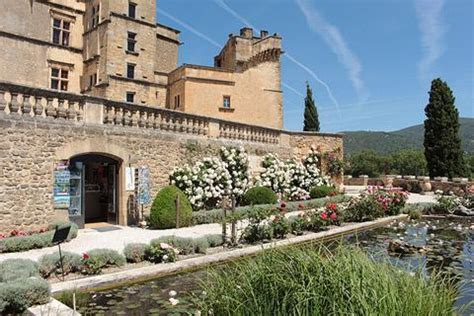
(442, 142)
(311, 117)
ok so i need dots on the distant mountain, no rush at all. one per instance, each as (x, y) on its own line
(407, 138)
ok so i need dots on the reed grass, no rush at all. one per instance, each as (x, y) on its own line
(310, 281)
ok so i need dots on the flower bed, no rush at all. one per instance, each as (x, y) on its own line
(17, 241)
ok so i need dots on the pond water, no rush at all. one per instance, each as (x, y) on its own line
(426, 245)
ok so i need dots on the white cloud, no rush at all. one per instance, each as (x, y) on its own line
(242, 19)
(432, 32)
(334, 39)
(189, 28)
(224, 6)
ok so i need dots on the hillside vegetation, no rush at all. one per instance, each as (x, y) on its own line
(407, 138)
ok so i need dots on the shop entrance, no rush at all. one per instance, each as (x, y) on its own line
(93, 190)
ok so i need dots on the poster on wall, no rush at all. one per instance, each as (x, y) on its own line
(129, 179)
(144, 185)
(61, 188)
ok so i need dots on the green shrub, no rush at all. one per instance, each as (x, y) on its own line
(414, 213)
(259, 196)
(298, 224)
(200, 245)
(363, 209)
(279, 226)
(321, 191)
(35, 241)
(215, 240)
(51, 264)
(12, 269)
(97, 259)
(308, 281)
(184, 245)
(18, 295)
(157, 254)
(163, 209)
(135, 252)
(258, 230)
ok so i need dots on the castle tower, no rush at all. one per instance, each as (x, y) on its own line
(244, 85)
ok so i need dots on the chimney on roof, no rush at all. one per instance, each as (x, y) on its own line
(246, 32)
(263, 33)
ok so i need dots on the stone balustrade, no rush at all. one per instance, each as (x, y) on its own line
(26, 102)
(237, 131)
(32, 103)
(123, 114)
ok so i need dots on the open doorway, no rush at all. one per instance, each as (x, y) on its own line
(93, 190)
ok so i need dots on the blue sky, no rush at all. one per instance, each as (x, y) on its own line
(369, 62)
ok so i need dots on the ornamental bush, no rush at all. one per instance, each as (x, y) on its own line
(322, 191)
(163, 209)
(215, 240)
(135, 252)
(258, 196)
(18, 295)
(160, 253)
(12, 269)
(51, 264)
(34, 241)
(97, 259)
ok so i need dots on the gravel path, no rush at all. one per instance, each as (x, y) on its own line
(88, 239)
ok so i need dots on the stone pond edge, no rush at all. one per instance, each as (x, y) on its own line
(155, 271)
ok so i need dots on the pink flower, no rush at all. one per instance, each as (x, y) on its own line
(324, 216)
(334, 216)
(85, 256)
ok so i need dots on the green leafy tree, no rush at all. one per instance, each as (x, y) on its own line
(442, 143)
(408, 162)
(366, 162)
(311, 117)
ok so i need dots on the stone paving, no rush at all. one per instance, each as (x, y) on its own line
(88, 239)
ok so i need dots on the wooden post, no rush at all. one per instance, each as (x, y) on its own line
(233, 238)
(177, 211)
(224, 219)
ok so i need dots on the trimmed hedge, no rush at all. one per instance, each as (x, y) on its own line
(106, 257)
(13, 269)
(20, 286)
(216, 215)
(41, 240)
(163, 209)
(321, 191)
(16, 296)
(258, 196)
(135, 252)
(51, 263)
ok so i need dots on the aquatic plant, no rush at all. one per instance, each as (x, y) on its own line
(308, 281)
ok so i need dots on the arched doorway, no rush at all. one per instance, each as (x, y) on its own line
(94, 189)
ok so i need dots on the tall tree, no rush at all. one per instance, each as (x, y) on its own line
(442, 143)
(311, 117)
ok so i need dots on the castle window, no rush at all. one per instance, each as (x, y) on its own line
(132, 10)
(130, 97)
(130, 71)
(131, 41)
(92, 80)
(226, 102)
(61, 31)
(95, 16)
(59, 78)
(177, 101)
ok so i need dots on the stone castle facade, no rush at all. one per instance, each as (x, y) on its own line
(114, 49)
(91, 93)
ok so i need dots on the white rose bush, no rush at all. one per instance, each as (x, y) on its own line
(209, 180)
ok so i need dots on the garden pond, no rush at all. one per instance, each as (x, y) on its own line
(424, 246)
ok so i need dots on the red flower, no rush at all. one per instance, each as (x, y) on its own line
(3, 236)
(283, 205)
(85, 256)
(331, 206)
(334, 216)
(324, 216)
